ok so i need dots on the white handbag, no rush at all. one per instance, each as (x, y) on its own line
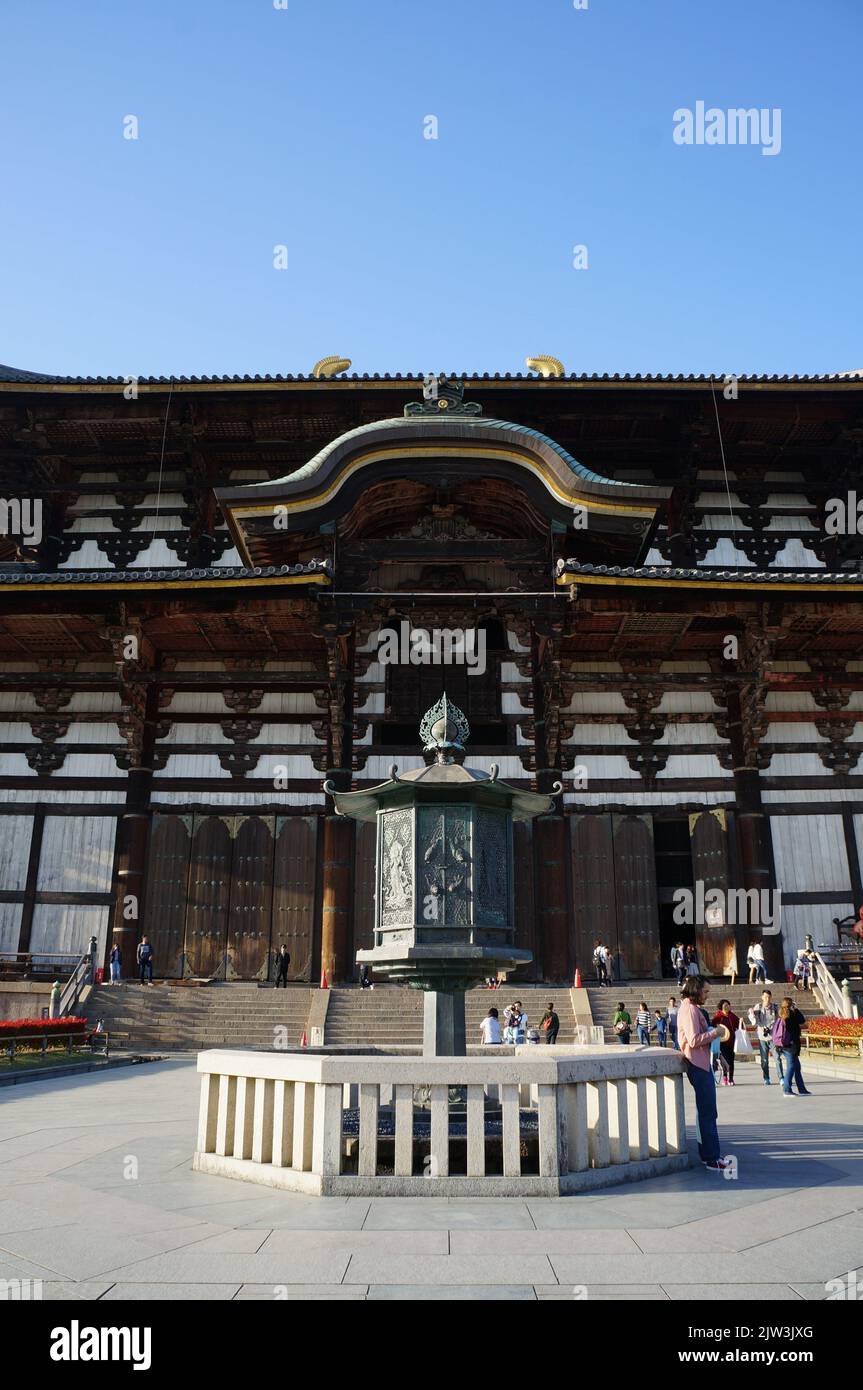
(742, 1045)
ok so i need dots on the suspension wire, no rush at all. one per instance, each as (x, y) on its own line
(162, 458)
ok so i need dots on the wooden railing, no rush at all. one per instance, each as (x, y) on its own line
(538, 1122)
(854, 1046)
(97, 1042)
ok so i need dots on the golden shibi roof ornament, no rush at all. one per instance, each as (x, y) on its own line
(330, 366)
(545, 365)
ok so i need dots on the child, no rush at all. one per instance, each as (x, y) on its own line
(661, 1027)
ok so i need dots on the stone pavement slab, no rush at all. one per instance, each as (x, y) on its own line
(71, 1215)
(292, 1292)
(584, 1293)
(712, 1293)
(460, 1293)
(146, 1293)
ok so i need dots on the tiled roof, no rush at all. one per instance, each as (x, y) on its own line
(709, 576)
(22, 575)
(15, 374)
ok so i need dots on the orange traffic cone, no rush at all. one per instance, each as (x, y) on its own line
(577, 984)
(304, 1042)
(324, 982)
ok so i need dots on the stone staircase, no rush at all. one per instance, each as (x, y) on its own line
(655, 993)
(386, 1016)
(392, 1015)
(533, 1000)
(165, 1018)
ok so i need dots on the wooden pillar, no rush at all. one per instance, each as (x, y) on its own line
(753, 830)
(336, 899)
(133, 835)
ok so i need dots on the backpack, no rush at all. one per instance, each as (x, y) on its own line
(780, 1033)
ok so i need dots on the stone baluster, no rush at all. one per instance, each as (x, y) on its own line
(439, 1132)
(577, 1151)
(636, 1090)
(304, 1110)
(511, 1135)
(327, 1142)
(674, 1115)
(598, 1138)
(283, 1124)
(404, 1108)
(244, 1117)
(208, 1113)
(369, 1112)
(552, 1139)
(618, 1121)
(656, 1139)
(227, 1112)
(262, 1127)
(475, 1132)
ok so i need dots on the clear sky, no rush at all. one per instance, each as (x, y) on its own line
(304, 127)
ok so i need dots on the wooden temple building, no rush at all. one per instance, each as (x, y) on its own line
(189, 649)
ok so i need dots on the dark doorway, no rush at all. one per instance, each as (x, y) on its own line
(673, 870)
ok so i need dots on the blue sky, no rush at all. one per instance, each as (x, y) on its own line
(304, 127)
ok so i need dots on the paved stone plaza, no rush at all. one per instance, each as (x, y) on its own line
(74, 1214)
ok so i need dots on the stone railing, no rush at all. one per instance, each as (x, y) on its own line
(446, 1126)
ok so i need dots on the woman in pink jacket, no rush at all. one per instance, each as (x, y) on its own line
(694, 1035)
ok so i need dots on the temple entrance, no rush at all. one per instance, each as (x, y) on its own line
(225, 891)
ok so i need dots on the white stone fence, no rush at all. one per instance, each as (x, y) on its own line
(599, 1118)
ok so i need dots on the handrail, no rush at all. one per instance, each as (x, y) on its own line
(829, 987)
(83, 974)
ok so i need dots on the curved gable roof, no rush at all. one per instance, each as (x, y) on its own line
(459, 445)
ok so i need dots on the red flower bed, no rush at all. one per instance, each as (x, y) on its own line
(59, 1027)
(849, 1029)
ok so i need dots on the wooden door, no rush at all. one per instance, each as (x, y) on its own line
(209, 896)
(636, 895)
(167, 882)
(251, 897)
(364, 886)
(294, 891)
(594, 906)
(714, 938)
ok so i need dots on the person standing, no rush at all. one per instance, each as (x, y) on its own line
(763, 1019)
(671, 1014)
(696, 1035)
(731, 964)
(786, 1035)
(600, 963)
(489, 1029)
(145, 959)
(283, 960)
(642, 1024)
(678, 962)
(692, 966)
(115, 962)
(756, 962)
(661, 1028)
(550, 1024)
(623, 1024)
(725, 1014)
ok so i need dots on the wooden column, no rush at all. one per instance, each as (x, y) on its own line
(753, 830)
(336, 958)
(137, 726)
(551, 840)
